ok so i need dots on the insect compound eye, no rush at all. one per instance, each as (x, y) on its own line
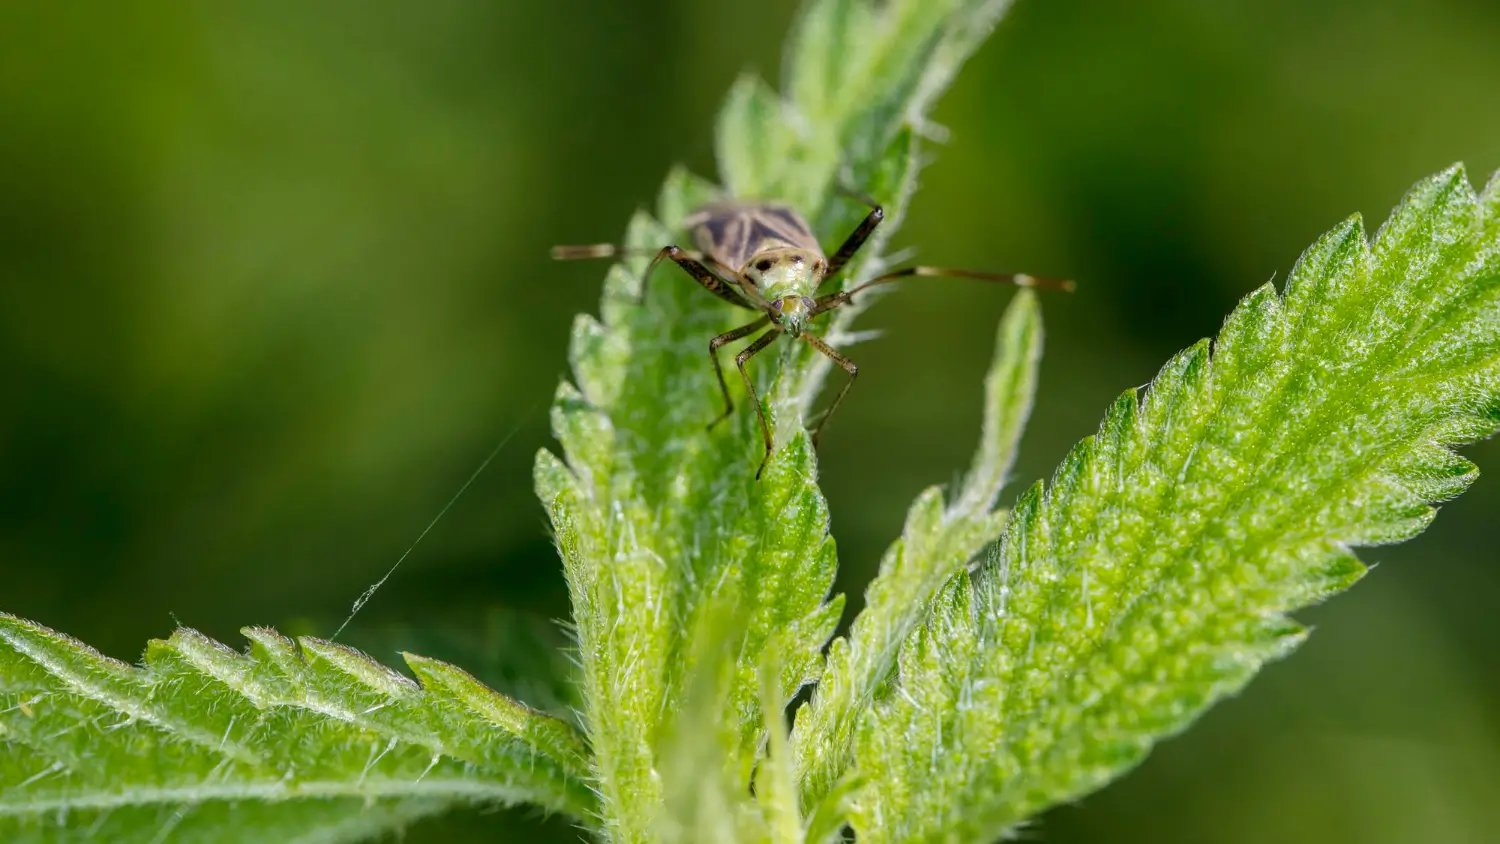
(763, 265)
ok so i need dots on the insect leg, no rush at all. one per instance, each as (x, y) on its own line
(700, 273)
(719, 278)
(848, 365)
(713, 355)
(854, 241)
(765, 426)
(836, 300)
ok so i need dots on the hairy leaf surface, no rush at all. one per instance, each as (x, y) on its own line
(662, 524)
(307, 741)
(1154, 575)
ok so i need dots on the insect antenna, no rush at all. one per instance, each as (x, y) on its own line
(587, 251)
(837, 300)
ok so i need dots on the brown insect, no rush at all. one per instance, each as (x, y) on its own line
(762, 256)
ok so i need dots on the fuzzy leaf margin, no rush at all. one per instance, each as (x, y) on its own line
(661, 524)
(939, 539)
(292, 741)
(1154, 575)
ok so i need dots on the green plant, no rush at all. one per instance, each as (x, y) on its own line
(1005, 661)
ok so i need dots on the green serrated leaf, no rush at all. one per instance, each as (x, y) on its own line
(1153, 576)
(196, 739)
(517, 654)
(825, 56)
(938, 541)
(1008, 392)
(662, 524)
(753, 137)
(775, 781)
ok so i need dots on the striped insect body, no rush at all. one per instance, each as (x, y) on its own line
(763, 256)
(776, 254)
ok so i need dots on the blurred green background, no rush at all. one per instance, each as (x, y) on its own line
(275, 280)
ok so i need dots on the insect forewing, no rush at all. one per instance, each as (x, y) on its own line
(734, 232)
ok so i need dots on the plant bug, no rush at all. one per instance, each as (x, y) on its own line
(762, 256)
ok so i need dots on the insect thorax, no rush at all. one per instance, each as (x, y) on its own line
(782, 271)
(766, 243)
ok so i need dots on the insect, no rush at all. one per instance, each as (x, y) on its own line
(762, 256)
